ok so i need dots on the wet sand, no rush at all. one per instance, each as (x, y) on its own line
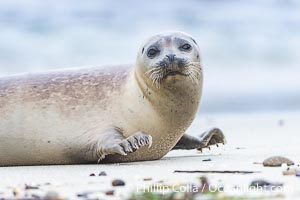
(251, 137)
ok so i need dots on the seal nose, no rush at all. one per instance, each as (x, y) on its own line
(171, 57)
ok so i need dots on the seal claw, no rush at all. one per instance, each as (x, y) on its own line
(150, 141)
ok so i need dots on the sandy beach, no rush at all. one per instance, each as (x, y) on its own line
(251, 137)
(251, 91)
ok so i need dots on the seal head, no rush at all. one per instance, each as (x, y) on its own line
(169, 58)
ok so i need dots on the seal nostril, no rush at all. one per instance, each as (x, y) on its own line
(171, 57)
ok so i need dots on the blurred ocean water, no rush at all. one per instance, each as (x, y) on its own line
(250, 49)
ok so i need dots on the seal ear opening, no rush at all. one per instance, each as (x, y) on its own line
(194, 41)
(143, 50)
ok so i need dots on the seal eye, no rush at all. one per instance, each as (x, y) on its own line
(152, 52)
(186, 47)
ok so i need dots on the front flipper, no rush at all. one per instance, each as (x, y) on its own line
(130, 144)
(112, 141)
(210, 137)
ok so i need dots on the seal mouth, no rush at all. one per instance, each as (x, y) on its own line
(162, 71)
(174, 73)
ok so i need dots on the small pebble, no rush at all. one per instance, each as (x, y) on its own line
(277, 161)
(84, 194)
(92, 174)
(16, 191)
(264, 183)
(147, 179)
(110, 193)
(204, 187)
(31, 187)
(289, 172)
(103, 173)
(52, 195)
(118, 182)
(36, 196)
(286, 170)
(206, 160)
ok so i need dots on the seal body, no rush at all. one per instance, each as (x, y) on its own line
(89, 115)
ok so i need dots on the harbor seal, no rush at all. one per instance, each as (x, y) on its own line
(108, 113)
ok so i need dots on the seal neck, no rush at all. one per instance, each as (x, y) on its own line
(180, 96)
